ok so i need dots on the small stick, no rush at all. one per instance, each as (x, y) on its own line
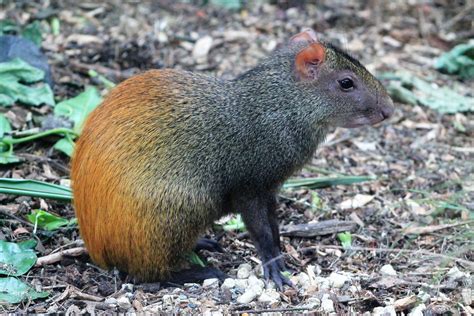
(58, 256)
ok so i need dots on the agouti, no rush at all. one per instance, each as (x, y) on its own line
(169, 152)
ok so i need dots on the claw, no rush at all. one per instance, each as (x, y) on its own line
(209, 245)
(273, 270)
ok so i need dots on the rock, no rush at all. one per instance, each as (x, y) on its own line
(303, 280)
(269, 296)
(327, 304)
(229, 283)
(467, 296)
(388, 270)
(124, 302)
(167, 299)
(337, 280)
(424, 297)
(202, 48)
(405, 303)
(111, 300)
(417, 310)
(455, 274)
(322, 283)
(232, 35)
(384, 311)
(249, 295)
(256, 283)
(13, 46)
(211, 283)
(241, 284)
(127, 287)
(313, 303)
(244, 271)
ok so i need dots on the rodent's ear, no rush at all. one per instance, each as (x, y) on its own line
(307, 35)
(308, 61)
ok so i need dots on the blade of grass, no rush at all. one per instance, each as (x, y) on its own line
(35, 188)
(325, 182)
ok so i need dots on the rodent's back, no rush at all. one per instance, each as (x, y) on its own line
(133, 190)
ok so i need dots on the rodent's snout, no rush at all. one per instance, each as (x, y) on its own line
(387, 108)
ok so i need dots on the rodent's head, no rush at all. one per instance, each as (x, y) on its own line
(353, 96)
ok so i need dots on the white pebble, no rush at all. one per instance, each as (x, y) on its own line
(111, 300)
(244, 271)
(467, 296)
(248, 296)
(229, 283)
(303, 280)
(202, 47)
(269, 296)
(167, 299)
(241, 284)
(388, 270)
(322, 283)
(210, 283)
(312, 303)
(327, 305)
(424, 297)
(124, 302)
(454, 273)
(256, 282)
(337, 280)
(384, 311)
(417, 310)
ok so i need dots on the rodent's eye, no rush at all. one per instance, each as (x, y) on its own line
(346, 84)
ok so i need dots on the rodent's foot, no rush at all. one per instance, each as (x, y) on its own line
(195, 274)
(208, 244)
(273, 270)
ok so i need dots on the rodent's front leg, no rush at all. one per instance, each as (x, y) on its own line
(260, 219)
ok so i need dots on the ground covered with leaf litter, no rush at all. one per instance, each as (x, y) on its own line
(407, 233)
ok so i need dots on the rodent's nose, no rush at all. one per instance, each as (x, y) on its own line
(387, 109)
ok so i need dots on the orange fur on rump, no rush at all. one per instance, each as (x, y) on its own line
(130, 214)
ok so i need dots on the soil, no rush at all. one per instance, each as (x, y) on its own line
(419, 215)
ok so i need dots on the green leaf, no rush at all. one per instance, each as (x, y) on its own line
(35, 188)
(55, 26)
(46, 220)
(33, 32)
(8, 26)
(227, 4)
(11, 90)
(4, 126)
(65, 145)
(414, 90)
(193, 258)
(235, 224)
(459, 60)
(345, 239)
(79, 107)
(8, 158)
(316, 202)
(16, 258)
(324, 182)
(13, 291)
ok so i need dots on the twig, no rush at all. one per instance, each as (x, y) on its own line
(5, 212)
(423, 252)
(58, 256)
(433, 228)
(458, 17)
(273, 310)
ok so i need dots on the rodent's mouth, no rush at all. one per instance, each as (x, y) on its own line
(367, 120)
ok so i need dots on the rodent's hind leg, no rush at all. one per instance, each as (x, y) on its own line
(208, 244)
(193, 275)
(260, 219)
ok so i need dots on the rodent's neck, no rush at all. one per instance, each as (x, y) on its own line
(280, 129)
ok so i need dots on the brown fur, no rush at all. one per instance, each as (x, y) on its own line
(117, 196)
